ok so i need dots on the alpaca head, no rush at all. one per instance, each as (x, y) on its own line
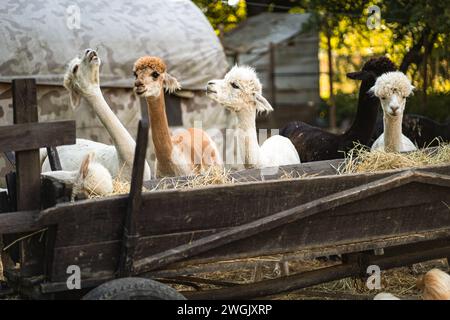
(93, 177)
(240, 90)
(151, 76)
(373, 68)
(82, 75)
(392, 89)
(435, 285)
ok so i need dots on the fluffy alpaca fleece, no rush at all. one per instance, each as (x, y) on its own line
(392, 89)
(435, 285)
(241, 92)
(392, 82)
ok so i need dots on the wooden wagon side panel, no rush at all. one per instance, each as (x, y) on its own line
(385, 212)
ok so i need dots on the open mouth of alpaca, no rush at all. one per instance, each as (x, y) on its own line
(92, 56)
(140, 90)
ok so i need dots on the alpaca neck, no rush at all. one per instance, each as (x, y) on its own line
(392, 133)
(247, 141)
(160, 129)
(122, 139)
(366, 115)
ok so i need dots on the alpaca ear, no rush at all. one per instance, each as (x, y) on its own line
(84, 168)
(262, 105)
(412, 90)
(371, 91)
(171, 84)
(75, 99)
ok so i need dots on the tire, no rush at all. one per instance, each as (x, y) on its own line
(133, 289)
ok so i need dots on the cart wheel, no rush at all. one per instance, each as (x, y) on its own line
(133, 289)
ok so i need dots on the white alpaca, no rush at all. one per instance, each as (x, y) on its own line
(91, 178)
(82, 80)
(241, 92)
(392, 89)
(385, 296)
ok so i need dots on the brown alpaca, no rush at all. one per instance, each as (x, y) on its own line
(182, 154)
(435, 285)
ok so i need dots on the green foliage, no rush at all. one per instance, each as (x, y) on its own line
(221, 15)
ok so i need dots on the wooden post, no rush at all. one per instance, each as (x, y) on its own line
(28, 173)
(332, 103)
(130, 234)
(53, 157)
(272, 79)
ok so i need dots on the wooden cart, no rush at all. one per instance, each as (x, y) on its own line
(389, 219)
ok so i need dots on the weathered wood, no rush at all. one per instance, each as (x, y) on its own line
(28, 170)
(316, 168)
(134, 207)
(4, 202)
(11, 157)
(53, 157)
(310, 278)
(196, 265)
(18, 222)
(12, 188)
(276, 220)
(29, 136)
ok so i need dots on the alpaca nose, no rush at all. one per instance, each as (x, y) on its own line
(137, 83)
(395, 108)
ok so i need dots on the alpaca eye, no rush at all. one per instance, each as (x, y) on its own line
(234, 85)
(155, 74)
(135, 74)
(75, 69)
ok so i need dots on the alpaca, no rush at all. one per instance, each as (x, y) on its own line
(392, 89)
(240, 92)
(82, 80)
(314, 144)
(385, 296)
(91, 178)
(186, 153)
(435, 285)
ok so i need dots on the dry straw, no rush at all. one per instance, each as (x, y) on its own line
(360, 159)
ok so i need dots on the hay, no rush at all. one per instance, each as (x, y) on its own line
(360, 159)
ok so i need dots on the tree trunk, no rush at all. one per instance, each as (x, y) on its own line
(330, 82)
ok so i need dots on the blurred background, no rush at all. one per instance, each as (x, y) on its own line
(303, 49)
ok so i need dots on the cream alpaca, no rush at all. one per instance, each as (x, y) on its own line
(82, 80)
(241, 92)
(91, 178)
(435, 285)
(182, 154)
(392, 89)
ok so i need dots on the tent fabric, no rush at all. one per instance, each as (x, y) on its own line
(38, 38)
(256, 33)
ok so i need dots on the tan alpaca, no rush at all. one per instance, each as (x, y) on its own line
(185, 153)
(435, 285)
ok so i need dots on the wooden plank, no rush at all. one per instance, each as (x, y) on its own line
(29, 136)
(134, 207)
(276, 220)
(194, 210)
(101, 258)
(28, 171)
(310, 278)
(19, 221)
(53, 157)
(316, 168)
